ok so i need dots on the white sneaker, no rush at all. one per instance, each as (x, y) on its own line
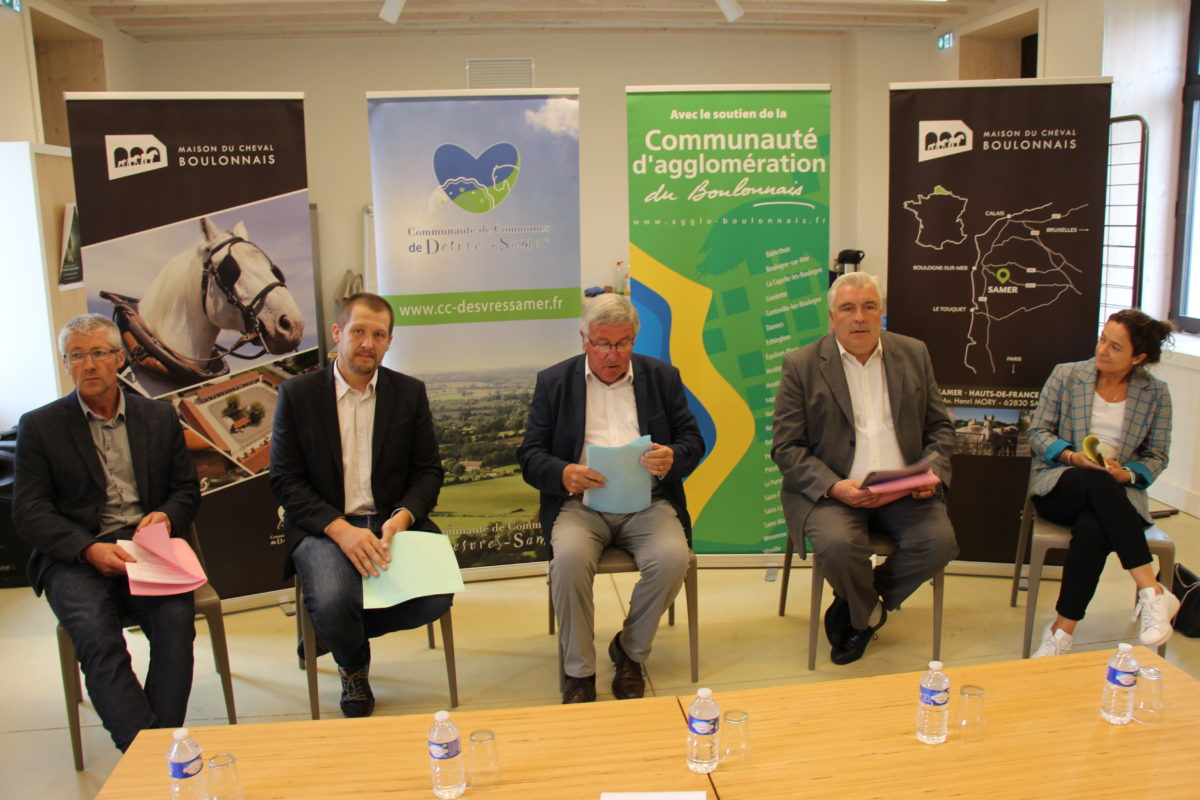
(1157, 609)
(1054, 644)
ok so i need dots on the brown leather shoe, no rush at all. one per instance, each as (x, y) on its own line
(628, 682)
(579, 690)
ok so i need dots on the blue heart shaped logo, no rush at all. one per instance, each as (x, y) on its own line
(479, 184)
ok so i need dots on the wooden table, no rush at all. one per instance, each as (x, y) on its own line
(551, 752)
(855, 739)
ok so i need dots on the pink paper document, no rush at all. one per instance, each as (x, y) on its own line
(164, 565)
(894, 490)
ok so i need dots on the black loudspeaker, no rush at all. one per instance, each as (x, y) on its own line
(14, 553)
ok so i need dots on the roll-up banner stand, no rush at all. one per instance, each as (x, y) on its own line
(729, 255)
(166, 185)
(476, 208)
(996, 228)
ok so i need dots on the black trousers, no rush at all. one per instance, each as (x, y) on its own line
(1102, 520)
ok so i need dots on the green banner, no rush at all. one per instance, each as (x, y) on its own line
(490, 306)
(729, 229)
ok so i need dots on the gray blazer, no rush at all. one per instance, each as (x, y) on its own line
(60, 487)
(1064, 417)
(814, 420)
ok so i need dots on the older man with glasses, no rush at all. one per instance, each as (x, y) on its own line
(609, 396)
(93, 467)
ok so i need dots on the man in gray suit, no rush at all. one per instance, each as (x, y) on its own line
(857, 401)
(93, 467)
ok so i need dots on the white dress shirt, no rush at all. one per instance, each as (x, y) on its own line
(876, 445)
(611, 413)
(356, 421)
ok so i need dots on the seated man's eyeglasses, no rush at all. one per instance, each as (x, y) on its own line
(623, 346)
(97, 356)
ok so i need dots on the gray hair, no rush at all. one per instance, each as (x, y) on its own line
(855, 280)
(608, 309)
(86, 325)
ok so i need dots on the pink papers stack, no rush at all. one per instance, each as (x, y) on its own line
(894, 490)
(164, 565)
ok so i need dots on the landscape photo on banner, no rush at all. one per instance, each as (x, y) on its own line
(729, 241)
(196, 239)
(1000, 277)
(476, 207)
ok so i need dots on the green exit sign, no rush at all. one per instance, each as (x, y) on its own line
(15, 5)
(946, 41)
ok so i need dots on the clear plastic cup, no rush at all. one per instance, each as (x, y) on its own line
(971, 722)
(223, 780)
(483, 762)
(1148, 696)
(735, 739)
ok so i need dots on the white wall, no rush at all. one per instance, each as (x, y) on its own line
(870, 62)
(1179, 485)
(1074, 38)
(1144, 52)
(18, 86)
(24, 304)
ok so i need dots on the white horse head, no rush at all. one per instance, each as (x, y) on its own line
(223, 282)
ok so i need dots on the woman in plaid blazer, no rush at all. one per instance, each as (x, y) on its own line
(1113, 397)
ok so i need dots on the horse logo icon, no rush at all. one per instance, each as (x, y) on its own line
(133, 154)
(943, 137)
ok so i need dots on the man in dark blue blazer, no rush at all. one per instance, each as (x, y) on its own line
(93, 467)
(609, 397)
(354, 461)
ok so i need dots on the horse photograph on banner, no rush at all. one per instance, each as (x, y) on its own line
(210, 323)
(202, 299)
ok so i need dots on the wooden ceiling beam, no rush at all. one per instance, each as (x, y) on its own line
(110, 9)
(180, 20)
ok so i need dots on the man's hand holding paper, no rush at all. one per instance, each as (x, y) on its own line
(920, 487)
(424, 564)
(658, 460)
(624, 488)
(577, 479)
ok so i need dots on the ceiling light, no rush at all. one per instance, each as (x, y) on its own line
(391, 10)
(732, 9)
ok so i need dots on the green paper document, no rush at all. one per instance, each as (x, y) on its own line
(422, 564)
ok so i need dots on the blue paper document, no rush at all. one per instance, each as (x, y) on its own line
(626, 482)
(422, 564)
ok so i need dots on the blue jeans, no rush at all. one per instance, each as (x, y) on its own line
(334, 600)
(91, 607)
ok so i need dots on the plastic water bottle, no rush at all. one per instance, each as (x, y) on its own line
(445, 758)
(703, 739)
(185, 768)
(1116, 704)
(931, 710)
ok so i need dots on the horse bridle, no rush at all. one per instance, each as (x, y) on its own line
(225, 274)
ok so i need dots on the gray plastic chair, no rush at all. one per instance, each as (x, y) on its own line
(615, 559)
(308, 663)
(881, 546)
(1040, 536)
(208, 605)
